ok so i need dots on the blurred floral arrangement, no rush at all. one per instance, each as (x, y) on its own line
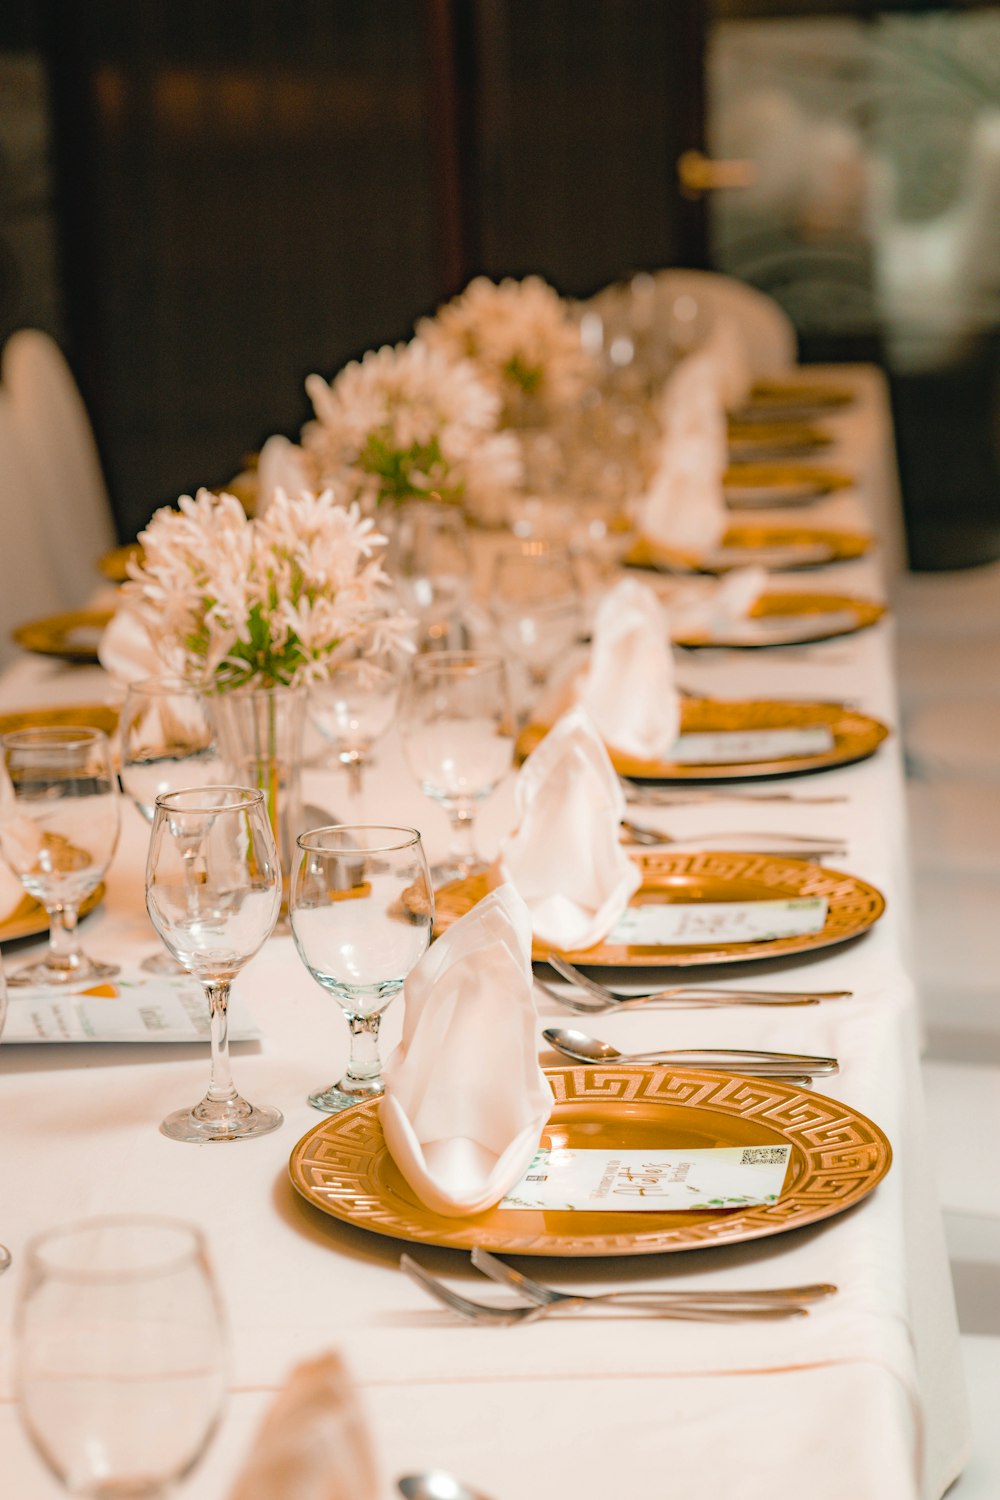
(265, 601)
(407, 423)
(521, 337)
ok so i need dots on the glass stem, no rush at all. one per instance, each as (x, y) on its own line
(463, 842)
(354, 764)
(220, 1089)
(364, 1063)
(64, 944)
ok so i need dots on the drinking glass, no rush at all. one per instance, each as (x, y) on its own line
(428, 559)
(362, 908)
(355, 705)
(535, 601)
(213, 889)
(457, 730)
(167, 742)
(120, 1363)
(59, 818)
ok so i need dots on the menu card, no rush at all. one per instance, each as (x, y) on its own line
(725, 747)
(679, 924)
(134, 1007)
(652, 1181)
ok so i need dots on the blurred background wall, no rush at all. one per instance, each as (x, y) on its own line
(206, 201)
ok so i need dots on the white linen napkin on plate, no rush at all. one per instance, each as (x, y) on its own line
(313, 1443)
(709, 612)
(127, 651)
(565, 858)
(684, 507)
(628, 688)
(281, 465)
(465, 1100)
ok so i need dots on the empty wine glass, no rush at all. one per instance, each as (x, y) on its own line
(355, 705)
(59, 819)
(457, 730)
(535, 601)
(167, 742)
(120, 1362)
(362, 908)
(213, 890)
(428, 559)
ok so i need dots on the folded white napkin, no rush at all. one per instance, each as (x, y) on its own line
(628, 689)
(565, 858)
(281, 465)
(684, 506)
(313, 1443)
(726, 348)
(127, 651)
(708, 611)
(465, 1100)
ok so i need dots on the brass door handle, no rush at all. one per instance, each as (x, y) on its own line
(698, 174)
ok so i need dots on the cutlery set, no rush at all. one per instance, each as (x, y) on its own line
(539, 1301)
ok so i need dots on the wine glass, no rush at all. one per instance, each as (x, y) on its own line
(362, 908)
(120, 1362)
(535, 602)
(213, 890)
(355, 705)
(428, 558)
(457, 730)
(59, 819)
(167, 742)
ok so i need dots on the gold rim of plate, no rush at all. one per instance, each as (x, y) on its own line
(864, 613)
(793, 400)
(114, 564)
(73, 715)
(342, 1166)
(782, 483)
(53, 635)
(855, 737)
(692, 876)
(31, 920)
(774, 437)
(838, 546)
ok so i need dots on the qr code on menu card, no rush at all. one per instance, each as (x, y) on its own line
(763, 1156)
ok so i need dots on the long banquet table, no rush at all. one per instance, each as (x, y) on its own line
(863, 1399)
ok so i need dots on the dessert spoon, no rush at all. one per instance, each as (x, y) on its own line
(589, 1049)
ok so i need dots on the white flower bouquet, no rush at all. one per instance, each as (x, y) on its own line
(410, 423)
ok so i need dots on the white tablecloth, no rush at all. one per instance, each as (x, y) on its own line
(863, 1399)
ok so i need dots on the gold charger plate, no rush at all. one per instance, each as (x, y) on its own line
(75, 715)
(855, 737)
(793, 400)
(761, 485)
(858, 614)
(31, 920)
(760, 440)
(72, 636)
(114, 564)
(837, 1157)
(818, 548)
(672, 875)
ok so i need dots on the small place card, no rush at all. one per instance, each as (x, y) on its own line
(679, 924)
(651, 1181)
(130, 1008)
(735, 747)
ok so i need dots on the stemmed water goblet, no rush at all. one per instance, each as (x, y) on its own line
(457, 731)
(167, 741)
(535, 601)
(59, 820)
(362, 908)
(355, 705)
(213, 890)
(429, 561)
(120, 1354)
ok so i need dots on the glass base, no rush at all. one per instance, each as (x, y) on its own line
(162, 963)
(235, 1120)
(87, 971)
(335, 1098)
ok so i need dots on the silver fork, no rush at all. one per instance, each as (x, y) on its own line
(605, 993)
(505, 1275)
(691, 1307)
(661, 796)
(694, 998)
(802, 843)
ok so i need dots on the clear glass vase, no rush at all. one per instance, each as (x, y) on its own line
(261, 731)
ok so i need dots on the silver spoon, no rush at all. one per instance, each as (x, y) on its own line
(588, 1049)
(436, 1484)
(802, 843)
